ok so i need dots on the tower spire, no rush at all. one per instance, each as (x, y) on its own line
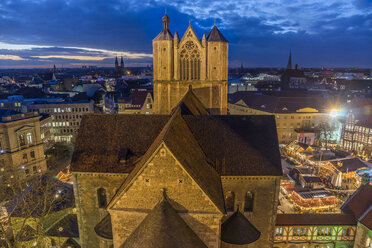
(289, 65)
(165, 20)
(122, 62)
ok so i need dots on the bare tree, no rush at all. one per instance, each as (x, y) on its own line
(34, 210)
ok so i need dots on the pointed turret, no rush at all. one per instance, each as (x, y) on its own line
(176, 38)
(289, 65)
(165, 34)
(122, 63)
(116, 62)
(216, 35)
(204, 39)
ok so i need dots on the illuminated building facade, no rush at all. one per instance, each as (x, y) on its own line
(21, 151)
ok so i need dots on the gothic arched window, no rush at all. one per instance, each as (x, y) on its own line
(230, 201)
(102, 199)
(190, 62)
(248, 202)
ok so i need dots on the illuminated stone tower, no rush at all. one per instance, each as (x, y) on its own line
(190, 62)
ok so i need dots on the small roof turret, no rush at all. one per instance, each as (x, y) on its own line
(165, 34)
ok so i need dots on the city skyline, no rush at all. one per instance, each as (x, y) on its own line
(261, 34)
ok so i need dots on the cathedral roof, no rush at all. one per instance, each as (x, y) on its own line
(180, 141)
(191, 105)
(237, 145)
(163, 228)
(238, 230)
(216, 35)
(104, 227)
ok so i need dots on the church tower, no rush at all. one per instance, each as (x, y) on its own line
(179, 64)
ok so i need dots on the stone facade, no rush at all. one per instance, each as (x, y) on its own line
(21, 152)
(164, 172)
(88, 211)
(265, 192)
(179, 64)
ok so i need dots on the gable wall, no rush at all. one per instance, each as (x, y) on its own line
(163, 171)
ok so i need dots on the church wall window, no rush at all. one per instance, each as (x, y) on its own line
(102, 199)
(230, 201)
(248, 202)
(190, 62)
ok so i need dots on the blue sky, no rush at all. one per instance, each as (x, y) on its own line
(40, 33)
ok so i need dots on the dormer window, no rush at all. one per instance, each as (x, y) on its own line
(263, 106)
(284, 108)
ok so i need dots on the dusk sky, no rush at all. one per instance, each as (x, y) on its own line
(72, 33)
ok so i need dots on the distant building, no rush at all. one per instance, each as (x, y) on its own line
(297, 118)
(356, 134)
(315, 230)
(119, 69)
(21, 151)
(351, 228)
(293, 78)
(66, 117)
(140, 101)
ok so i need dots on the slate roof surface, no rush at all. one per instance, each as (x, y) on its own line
(163, 228)
(236, 145)
(366, 218)
(164, 35)
(281, 104)
(315, 219)
(348, 164)
(179, 140)
(238, 230)
(359, 202)
(104, 227)
(216, 35)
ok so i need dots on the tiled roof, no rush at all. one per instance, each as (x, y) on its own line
(164, 35)
(315, 219)
(281, 105)
(366, 218)
(359, 202)
(236, 145)
(179, 140)
(163, 228)
(348, 164)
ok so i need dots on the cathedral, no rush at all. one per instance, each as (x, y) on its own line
(179, 64)
(188, 176)
(119, 69)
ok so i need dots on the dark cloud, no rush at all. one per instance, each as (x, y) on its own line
(320, 33)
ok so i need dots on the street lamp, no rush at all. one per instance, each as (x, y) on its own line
(334, 113)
